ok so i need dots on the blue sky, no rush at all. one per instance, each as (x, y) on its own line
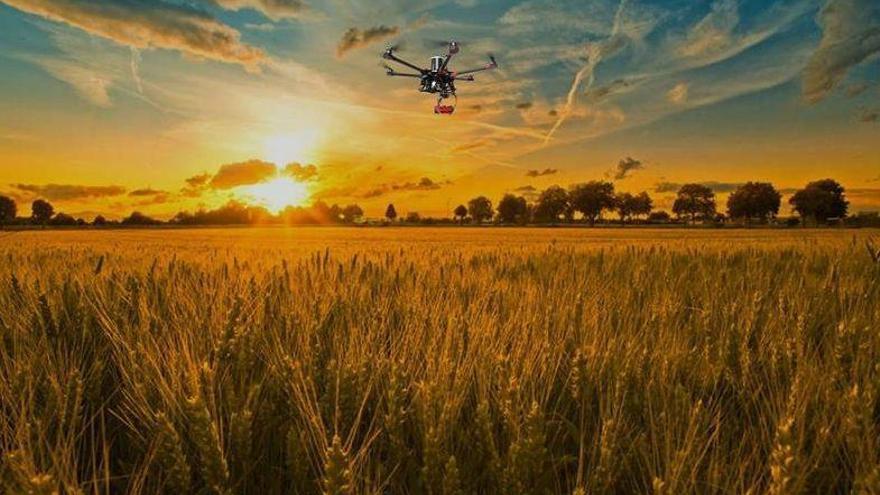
(143, 95)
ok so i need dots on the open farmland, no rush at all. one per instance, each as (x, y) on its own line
(441, 361)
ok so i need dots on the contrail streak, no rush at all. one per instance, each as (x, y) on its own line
(135, 69)
(595, 51)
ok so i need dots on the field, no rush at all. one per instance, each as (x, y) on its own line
(439, 361)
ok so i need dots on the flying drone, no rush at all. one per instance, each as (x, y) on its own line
(439, 79)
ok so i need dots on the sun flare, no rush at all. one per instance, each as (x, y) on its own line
(278, 194)
(294, 147)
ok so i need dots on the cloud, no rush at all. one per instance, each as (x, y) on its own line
(91, 85)
(617, 86)
(678, 94)
(274, 9)
(243, 174)
(424, 184)
(198, 180)
(624, 167)
(870, 116)
(301, 172)
(150, 24)
(718, 187)
(850, 34)
(355, 38)
(541, 173)
(713, 33)
(145, 192)
(856, 89)
(68, 192)
(524, 106)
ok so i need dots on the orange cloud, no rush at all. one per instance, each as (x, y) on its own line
(243, 174)
(274, 9)
(355, 38)
(151, 24)
(68, 192)
(301, 172)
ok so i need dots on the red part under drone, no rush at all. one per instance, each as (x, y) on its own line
(438, 79)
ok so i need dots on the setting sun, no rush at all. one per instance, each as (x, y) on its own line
(294, 147)
(277, 194)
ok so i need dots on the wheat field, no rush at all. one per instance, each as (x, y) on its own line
(439, 361)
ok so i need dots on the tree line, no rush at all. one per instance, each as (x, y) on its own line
(819, 202)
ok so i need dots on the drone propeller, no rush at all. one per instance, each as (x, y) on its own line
(453, 45)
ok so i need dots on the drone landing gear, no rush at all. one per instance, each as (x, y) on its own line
(441, 109)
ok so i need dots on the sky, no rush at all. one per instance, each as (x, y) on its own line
(168, 105)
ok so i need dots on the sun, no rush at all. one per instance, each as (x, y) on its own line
(278, 194)
(293, 147)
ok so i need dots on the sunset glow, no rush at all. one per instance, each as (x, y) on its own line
(277, 194)
(111, 107)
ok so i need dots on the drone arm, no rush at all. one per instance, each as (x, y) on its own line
(491, 65)
(465, 78)
(472, 71)
(390, 56)
(403, 74)
(446, 61)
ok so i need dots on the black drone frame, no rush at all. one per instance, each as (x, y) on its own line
(441, 72)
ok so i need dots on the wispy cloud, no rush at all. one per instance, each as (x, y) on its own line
(850, 34)
(68, 192)
(356, 38)
(625, 167)
(541, 173)
(274, 9)
(153, 24)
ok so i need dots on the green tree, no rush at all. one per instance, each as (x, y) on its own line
(351, 213)
(480, 209)
(512, 209)
(390, 212)
(625, 204)
(820, 200)
(552, 203)
(62, 219)
(643, 205)
(460, 212)
(41, 211)
(8, 210)
(694, 201)
(138, 218)
(754, 200)
(591, 198)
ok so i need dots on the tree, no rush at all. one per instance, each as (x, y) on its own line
(659, 217)
(820, 200)
(695, 201)
(390, 212)
(8, 210)
(625, 203)
(63, 219)
(512, 209)
(592, 198)
(41, 211)
(643, 205)
(413, 217)
(754, 200)
(460, 212)
(138, 218)
(99, 220)
(552, 203)
(351, 213)
(480, 209)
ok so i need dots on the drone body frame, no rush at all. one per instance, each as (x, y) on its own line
(438, 78)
